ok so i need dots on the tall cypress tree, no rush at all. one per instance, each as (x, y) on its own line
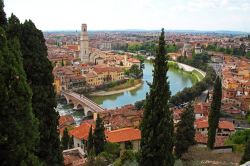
(3, 19)
(185, 132)
(246, 155)
(99, 136)
(71, 142)
(214, 115)
(90, 141)
(18, 126)
(39, 75)
(65, 139)
(157, 127)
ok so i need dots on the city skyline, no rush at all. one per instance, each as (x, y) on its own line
(211, 15)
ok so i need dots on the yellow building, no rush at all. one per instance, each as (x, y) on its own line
(100, 75)
(57, 85)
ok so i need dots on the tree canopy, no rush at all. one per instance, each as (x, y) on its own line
(18, 126)
(99, 138)
(185, 131)
(157, 124)
(214, 115)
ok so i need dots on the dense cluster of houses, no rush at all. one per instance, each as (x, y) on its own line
(236, 85)
(71, 74)
(121, 126)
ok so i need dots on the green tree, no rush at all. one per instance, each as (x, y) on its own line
(3, 19)
(248, 55)
(214, 115)
(157, 127)
(113, 149)
(246, 155)
(71, 142)
(139, 104)
(39, 74)
(185, 132)
(90, 144)
(62, 63)
(65, 139)
(18, 126)
(128, 156)
(134, 70)
(99, 136)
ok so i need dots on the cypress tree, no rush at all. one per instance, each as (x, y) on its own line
(18, 126)
(65, 139)
(62, 63)
(71, 142)
(214, 115)
(90, 141)
(185, 132)
(246, 155)
(3, 19)
(157, 127)
(99, 136)
(39, 75)
(14, 28)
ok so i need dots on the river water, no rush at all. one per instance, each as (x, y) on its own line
(177, 80)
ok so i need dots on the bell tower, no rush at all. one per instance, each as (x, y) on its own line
(84, 44)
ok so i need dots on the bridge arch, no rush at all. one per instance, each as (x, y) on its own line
(79, 107)
(81, 102)
(89, 114)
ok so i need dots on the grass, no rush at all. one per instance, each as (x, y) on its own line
(202, 156)
(198, 75)
(172, 64)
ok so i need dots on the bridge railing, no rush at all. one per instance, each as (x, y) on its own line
(91, 104)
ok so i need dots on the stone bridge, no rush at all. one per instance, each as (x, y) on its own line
(82, 102)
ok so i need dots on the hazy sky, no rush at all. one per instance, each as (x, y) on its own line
(134, 14)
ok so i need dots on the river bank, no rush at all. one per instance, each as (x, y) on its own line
(199, 74)
(107, 93)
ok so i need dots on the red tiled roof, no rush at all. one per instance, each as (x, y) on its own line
(64, 119)
(122, 135)
(73, 47)
(201, 108)
(133, 60)
(222, 125)
(81, 132)
(226, 125)
(219, 140)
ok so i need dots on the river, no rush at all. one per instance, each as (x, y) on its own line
(177, 79)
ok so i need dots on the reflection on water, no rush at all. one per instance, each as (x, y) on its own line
(177, 79)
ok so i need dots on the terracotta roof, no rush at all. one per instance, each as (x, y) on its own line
(81, 132)
(122, 135)
(100, 70)
(66, 119)
(219, 140)
(73, 47)
(222, 125)
(201, 108)
(133, 60)
(226, 125)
